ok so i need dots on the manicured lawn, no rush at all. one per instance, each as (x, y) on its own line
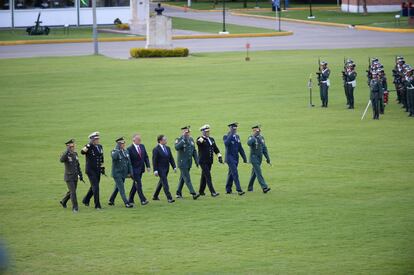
(385, 20)
(55, 33)
(342, 189)
(212, 27)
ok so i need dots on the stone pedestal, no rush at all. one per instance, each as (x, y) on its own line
(139, 16)
(159, 32)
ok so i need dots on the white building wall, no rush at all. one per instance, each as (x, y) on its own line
(60, 17)
(371, 8)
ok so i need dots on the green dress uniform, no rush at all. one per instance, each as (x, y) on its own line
(375, 87)
(72, 173)
(121, 169)
(350, 84)
(257, 150)
(185, 153)
(409, 84)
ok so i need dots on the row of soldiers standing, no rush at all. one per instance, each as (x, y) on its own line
(377, 82)
(133, 161)
(404, 84)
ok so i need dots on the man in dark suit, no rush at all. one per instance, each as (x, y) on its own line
(140, 161)
(207, 147)
(161, 161)
(93, 152)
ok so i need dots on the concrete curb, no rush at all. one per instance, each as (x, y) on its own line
(329, 24)
(122, 39)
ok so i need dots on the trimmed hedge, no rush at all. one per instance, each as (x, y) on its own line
(122, 26)
(145, 53)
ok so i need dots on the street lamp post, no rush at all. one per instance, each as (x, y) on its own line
(224, 19)
(94, 29)
(311, 16)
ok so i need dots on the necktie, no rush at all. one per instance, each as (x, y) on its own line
(139, 150)
(165, 150)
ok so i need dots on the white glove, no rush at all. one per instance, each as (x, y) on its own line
(156, 173)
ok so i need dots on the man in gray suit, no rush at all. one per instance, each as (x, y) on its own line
(72, 173)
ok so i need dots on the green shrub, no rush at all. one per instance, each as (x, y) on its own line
(122, 26)
(144, 53)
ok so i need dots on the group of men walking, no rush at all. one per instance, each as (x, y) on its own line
(133, 161)
(377, 82)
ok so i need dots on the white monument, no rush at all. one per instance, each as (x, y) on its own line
(159, 31)
(139, 16)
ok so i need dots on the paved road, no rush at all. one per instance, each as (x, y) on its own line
(305, 37)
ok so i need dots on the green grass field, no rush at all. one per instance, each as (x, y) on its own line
(342, 189)
(384, 19)
(86, 32)
(212, 27)
(55, 33)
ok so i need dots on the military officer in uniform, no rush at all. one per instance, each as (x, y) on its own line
(162, 158)
(207, 147)
(384, 90)
(324, 83)
(409, 83)
(72, 173)
(186, 151)
(258, 149)
(350, 84)
(233, 149)
(375, 87)
(93, 152)
(121, 169)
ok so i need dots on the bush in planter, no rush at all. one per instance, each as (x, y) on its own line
(122, 26)
(145, 53)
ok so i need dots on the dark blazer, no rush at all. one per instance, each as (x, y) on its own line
(72, 167)
(205, 150)
(94, 158)
(138, 163)
(161, 161)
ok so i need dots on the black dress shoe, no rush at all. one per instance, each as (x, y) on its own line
(202, 194)
(229, 192)
(63, 204)
(179, 196)
(171, 201)
(85, 203)
(111, 203)
(241, 193)
(98, 208)
(144, 202)
(265, 190)
(196, 196)
(129, 205)
(155, 199)
(249, 190)
(215, 194)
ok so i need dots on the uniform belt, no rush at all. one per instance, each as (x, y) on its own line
(324, 81)
(350, 82)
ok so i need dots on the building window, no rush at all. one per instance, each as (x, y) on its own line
(4, 4)
(104, 3)
(43, 4)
